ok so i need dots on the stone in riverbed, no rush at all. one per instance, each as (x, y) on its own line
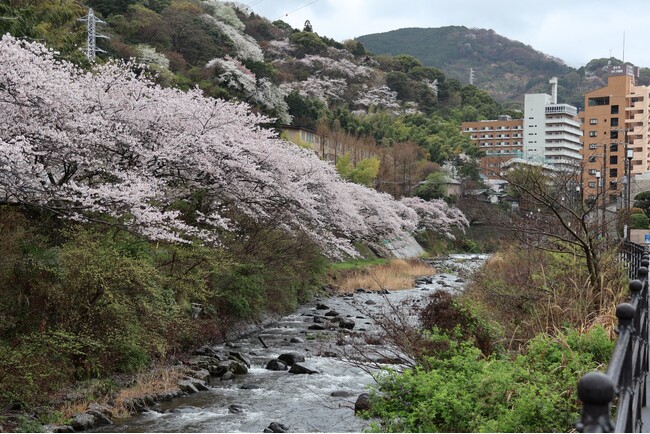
(235, 355)
(83, 422)
(296, 340)
(291, 358)
(187, 386)
(299, 369)
(362, 403)
(276, 427)
(316, 327)
(276, 365)
(346, 323)
(332, 313)
(321, 306)
(341, 394)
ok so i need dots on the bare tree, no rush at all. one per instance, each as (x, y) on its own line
(554, 215)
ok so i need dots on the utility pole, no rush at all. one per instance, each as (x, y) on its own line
(604, 189)
(91, 39)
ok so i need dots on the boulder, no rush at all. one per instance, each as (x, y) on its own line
(227, 376)
(218, 370)
(58, 428)
(346, 323)
(296, 340)
(83, 422)
(360, 290)
(201, 374)
(299, 369)
(187, 386)
(370, 302)
(316, 327)
(276, 365)
(291, 358)
(276, 427)
(362, 403)
(100, 419)
(332, 313)
(235, 355)
(250, 387)
(238, 368)
(341, 394)
(321, 306)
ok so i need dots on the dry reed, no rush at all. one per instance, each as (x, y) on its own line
(393, 275)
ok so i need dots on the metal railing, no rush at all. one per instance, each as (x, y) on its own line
(632, 254)
(625, 378)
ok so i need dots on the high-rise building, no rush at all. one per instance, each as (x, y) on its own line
(615, 125)
(551, 130)
(549, 133)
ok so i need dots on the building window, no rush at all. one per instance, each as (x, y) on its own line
(592, 184)
(593, 121)
(592, 134)
(614, 122)
(603, 100)
(613, 147)
(592, 171)
(613, 134)
(613, 159)
(593, 146)
(592, 159)
(614, 110)
(613, 173)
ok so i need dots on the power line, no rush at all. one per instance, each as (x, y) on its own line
(296, 10)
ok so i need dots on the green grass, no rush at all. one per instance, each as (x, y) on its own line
(354, 264)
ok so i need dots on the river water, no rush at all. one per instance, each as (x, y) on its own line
(322, 402)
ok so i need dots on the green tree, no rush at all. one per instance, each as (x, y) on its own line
(363, 173)
(642, 200)
(639, 221)
(309, 43)
(433, 187)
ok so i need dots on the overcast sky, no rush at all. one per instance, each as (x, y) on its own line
(576, 31)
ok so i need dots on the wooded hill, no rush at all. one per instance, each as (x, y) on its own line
(506, 69)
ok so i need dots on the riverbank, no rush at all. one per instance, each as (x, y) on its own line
(193, 368)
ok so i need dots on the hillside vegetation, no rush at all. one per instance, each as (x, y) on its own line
(506, 69)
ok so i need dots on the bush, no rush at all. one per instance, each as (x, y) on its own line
(461, 391)
(443, 312)
(82, 301)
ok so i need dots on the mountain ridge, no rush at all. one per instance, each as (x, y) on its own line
(505, 68)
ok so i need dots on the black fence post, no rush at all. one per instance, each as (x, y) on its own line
(596, 391)
(628, 366)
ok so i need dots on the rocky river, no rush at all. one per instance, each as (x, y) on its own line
(338, 337)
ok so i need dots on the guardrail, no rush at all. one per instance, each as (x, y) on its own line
(632, 254)
(626, 374)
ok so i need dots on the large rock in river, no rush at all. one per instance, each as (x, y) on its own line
(291, 358)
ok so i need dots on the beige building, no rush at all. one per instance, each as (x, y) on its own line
(615, 128)
(501, 140)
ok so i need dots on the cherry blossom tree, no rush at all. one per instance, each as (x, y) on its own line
(110, 145)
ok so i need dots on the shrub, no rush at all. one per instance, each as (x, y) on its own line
(445, 313)
(460, 391)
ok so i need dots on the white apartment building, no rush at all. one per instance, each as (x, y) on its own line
(552, 133)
